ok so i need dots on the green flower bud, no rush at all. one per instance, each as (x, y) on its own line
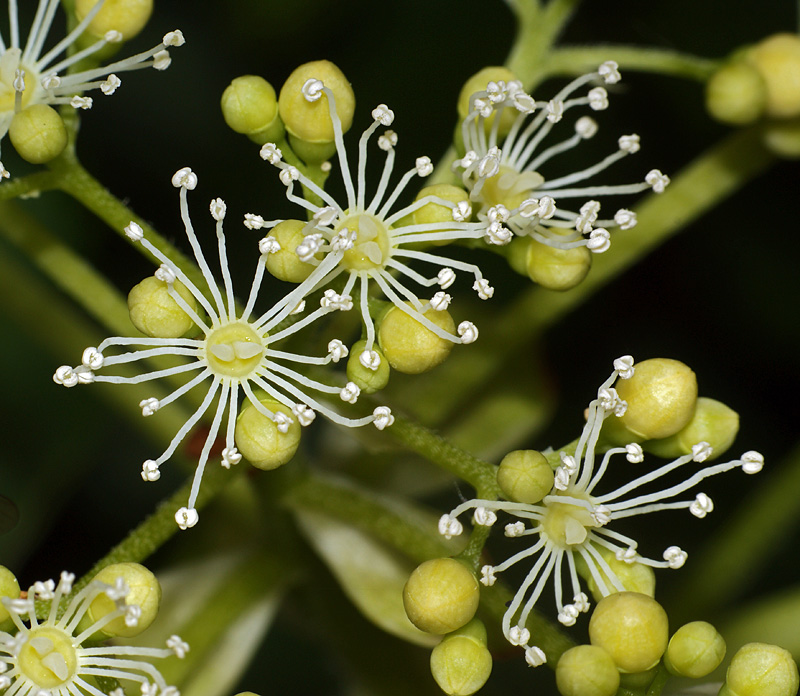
(461, 663)
(777, 58)
(365, 378)
(433, 213)
(285, 264)
(713, 422)
(260, 439)
(145, 593)
(736, 93)
(155, 313)
(632, 628)
(38, 134)
(557, 269)
(760, 669)
(9, 587)
(695, 650)
(782, 137)
(477, 83)
(250, 106)
(516, 253)
(586, 670)
(411, 347)
(525, 476)
(661, 397)
(441, 595)
(635, 577)
(128, 17)
(637, 681)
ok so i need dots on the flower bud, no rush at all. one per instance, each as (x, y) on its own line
(461, 663)
(736, 93)
(557, 269)
(635, 577)
(441, 595)
(411, 347)
(363, 376)
(9, 587)
(695, 650)
(250, 106)
(477, 83)
(285, 264)
(632, 628)
(661, 397)
(432, 213)
(525, 476)
(259, 439)
(760, 669)
(128, 17)
(782, 137)
(777, 59)
(145, 593)
(713, 422)
(586, 670)
(38, 134)
(155, 313)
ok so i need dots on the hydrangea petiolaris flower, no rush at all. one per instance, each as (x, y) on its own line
(502, 170)
(234, 352)
(49, 657)
(31, 75)
(572, 523)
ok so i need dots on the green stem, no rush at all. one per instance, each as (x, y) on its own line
(27, 185)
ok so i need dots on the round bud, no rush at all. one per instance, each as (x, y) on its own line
(525, 476)
(661, 397)
(461, 663)
(38, 134)
(713, 422)
(586, 670)
(441, 595)
(9, 587)
(259, 439)
(632, 628)
(145, 593)
(250, 106)
(285, 264)
(128, 17)
(760, 669)
(432, 213)
(516, 253)
(695, 650)
(478, 83)
(155, 313)
(635, 577)
(411, 347)
(777, 58)
(782, 138)
(736, 93)
(557, 269)
(365, 378)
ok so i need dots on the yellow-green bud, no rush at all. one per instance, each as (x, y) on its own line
(557, 269)
(461, 663)
(411, 347)
(632, 628)
(661, 397)
(9, 587)
(432, 213)
(366, 379)
(525, 476)
(635, 577)
(713, 422)
(145, 593)
(155, 313)
(695, 650)
(128, 17)
(777, 58)
(586, 670)
(38, 133)
(760, 669)
(259, 439)
(285, 264)
(477, 83)
(250, 106)
(441, 595)
(736, 93)
(782, 137)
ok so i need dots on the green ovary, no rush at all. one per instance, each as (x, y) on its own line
(371, 248)
(510, 187)
(234, 350)
(48, 658)
(566, 525)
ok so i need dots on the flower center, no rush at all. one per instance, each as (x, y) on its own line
(234, 350)
(371, 248)
(566, 524)
(510, 187)
(9, 62)
(48, 657)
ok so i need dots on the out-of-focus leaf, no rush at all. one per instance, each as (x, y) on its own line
(772, 620)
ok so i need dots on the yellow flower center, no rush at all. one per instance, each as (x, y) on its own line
(9, 62)
(234, 350)
(371, 248)
(48, 657)
(567, 524)
(510, 187)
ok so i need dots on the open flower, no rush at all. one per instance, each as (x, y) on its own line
(503, 174)
(575, 521)
(31, 75)
(234, 352)
(48, 656)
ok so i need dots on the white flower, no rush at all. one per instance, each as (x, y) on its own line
(233, 354)
(576, 521)
(47, 656)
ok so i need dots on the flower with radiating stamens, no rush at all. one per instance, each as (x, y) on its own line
(47, 656)
(369, 240)
(503, 173)
(572, 525)
(233, 352)
(31, 75)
